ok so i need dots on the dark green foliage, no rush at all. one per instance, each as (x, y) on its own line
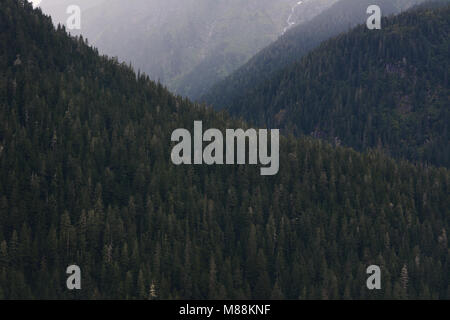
(86, 178)
(384, 88)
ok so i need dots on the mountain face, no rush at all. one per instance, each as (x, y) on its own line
(293, 45)
(385, 89)
(176, 41)
(86, 178)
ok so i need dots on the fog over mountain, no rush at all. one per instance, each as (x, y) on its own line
(188, 45)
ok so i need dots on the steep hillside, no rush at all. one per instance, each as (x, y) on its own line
(295, 44)
(219, 64)
(86, 179)
(384, 88)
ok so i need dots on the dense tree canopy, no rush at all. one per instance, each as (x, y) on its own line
(385, 88)
(86, 179)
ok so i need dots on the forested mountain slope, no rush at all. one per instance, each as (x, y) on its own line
(384, 88)
(295, 44)
(86, 179)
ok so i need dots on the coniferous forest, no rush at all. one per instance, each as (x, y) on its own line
(86, 176)
(388, 90)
